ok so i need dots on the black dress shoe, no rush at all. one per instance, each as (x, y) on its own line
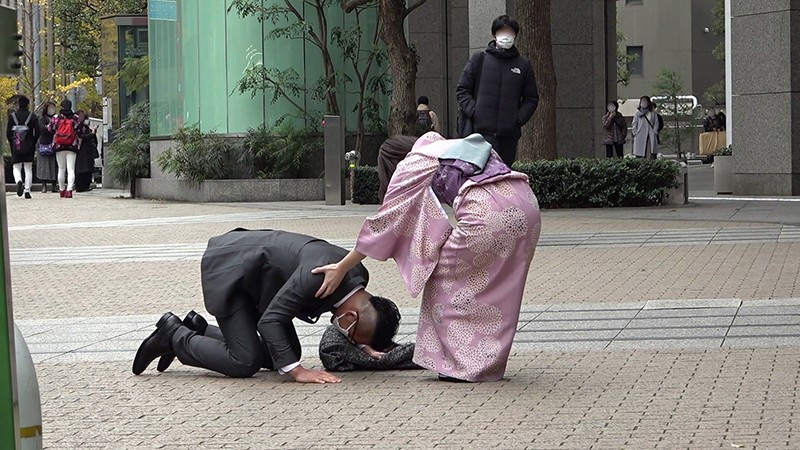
(158, 343)
(452, 380)
(192, 321)
(20, 188)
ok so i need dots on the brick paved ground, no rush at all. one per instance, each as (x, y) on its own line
(639, 398)
(621, 399)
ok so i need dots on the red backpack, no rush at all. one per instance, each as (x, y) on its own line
(65, 133)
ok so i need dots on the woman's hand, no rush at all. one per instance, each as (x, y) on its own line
(334, 274)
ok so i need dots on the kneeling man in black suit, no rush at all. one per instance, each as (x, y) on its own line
(255, 282)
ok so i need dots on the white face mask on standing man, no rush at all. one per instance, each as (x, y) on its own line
(505, 40)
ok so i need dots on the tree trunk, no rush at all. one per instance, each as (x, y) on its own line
(535, 41)
(403, 62)
(332, 104)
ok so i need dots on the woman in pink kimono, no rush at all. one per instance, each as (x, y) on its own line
(473, 274)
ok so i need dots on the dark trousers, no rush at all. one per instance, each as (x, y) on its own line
(83, 181)
(234, 349)
(611, 148)
(505, 146)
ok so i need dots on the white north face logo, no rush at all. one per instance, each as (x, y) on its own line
(516, 70)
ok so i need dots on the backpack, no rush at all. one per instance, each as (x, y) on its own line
(424, 122)
(65, 133)
(20, 132)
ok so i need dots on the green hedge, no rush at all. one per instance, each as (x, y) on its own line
(365, 185)
(573, 183)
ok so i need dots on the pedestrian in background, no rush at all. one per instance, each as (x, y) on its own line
(84, 164)
(616, 130)
(392, 151)
(22, 133)
(497, 90)
(46, 167)
(712, 121)
(427, 119)
(645, 129)
(65, 130)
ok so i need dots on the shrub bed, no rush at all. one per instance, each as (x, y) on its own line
(365, 185)
(572, 183)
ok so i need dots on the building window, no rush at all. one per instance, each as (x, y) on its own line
(633, 2)
(636, 60)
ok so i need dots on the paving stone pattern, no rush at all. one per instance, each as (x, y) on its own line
(641, 328)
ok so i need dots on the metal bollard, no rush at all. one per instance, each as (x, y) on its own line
(334, 160)
(679, 195)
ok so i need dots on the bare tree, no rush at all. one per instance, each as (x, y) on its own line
(402, 59)
(535, 41)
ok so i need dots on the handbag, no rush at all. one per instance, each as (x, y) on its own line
(46, 149)
(465, 125)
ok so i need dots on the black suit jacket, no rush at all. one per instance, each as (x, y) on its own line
(271, 270)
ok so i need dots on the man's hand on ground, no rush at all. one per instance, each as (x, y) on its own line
(374, 354)
(303, 375)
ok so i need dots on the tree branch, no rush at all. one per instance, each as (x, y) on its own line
(350, 5)
(413, 7)
(313, 36)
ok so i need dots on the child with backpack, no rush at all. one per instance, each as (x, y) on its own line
(65, 141)
(22, 133)
(427, 120)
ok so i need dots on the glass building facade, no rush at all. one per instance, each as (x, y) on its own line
(199, 51)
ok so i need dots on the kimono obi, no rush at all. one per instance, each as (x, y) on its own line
(453, 173)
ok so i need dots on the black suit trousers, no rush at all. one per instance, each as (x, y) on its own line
(235, 349)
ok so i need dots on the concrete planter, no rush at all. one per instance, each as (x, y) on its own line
(723, 174)
(231, 190)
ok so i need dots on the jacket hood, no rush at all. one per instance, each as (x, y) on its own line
(501, 53)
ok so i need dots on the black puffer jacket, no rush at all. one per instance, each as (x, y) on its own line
(506, 96)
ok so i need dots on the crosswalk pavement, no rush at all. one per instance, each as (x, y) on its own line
(201, 219)
(193, 251)
(658, 324)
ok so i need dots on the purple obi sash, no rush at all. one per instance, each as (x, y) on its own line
(453, 173)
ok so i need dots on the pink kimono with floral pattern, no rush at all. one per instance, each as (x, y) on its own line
(473, 275)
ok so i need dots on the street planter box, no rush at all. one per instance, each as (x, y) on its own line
(253, 190)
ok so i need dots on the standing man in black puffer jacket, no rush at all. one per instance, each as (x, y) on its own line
(498, 90)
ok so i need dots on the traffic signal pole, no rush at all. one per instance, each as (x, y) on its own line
(9, 402)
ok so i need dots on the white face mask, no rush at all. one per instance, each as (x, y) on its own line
(505, 41)
(610, 108)
(51, 111)
(644, 105)
(344, 331)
